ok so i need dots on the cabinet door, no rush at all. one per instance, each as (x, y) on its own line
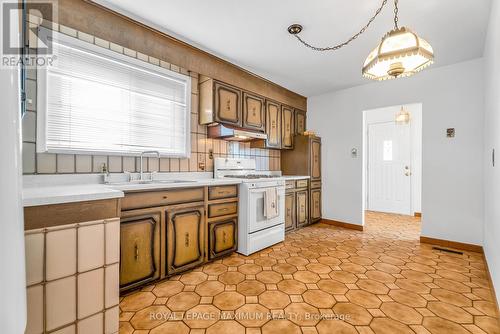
(139, 249)
(302, 208)
(253, 112)
(287, 127)
(315, 205)
(315, 159)
(185, 238)
(273, 124)
(222, 238)
(290, 212)
(300, 121)
(227, 104)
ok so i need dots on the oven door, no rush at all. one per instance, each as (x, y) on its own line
(257, 220)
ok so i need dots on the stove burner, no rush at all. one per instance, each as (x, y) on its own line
(252, 176)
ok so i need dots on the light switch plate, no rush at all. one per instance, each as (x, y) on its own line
(354, 153)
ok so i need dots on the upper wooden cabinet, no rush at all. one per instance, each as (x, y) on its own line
(315, 163)
(254, 112)
(300, 121)
(185, 238)
(139, 247)
(219, 103)
(287, 127)
(273, 127)
(304, 159)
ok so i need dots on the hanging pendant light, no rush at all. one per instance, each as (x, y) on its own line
(403, 117)
(401, 53)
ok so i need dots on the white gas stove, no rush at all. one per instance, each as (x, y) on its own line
(257, 229)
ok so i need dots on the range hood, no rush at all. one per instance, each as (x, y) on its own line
(227, 132)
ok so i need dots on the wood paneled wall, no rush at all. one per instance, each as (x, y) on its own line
(91, 18)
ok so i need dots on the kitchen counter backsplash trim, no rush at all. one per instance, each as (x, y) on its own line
(201, 159)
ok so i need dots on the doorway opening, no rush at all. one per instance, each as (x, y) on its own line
(392, 160)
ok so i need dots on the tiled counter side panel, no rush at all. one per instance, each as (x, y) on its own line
(200, 160)
(72, 277)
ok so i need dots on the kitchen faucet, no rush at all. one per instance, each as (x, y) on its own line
(141, 170)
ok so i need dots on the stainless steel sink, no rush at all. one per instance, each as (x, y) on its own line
(126, 183)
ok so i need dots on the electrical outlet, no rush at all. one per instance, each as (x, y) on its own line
(211, 154)
(450, 132)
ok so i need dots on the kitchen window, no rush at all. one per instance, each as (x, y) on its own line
(96, 101)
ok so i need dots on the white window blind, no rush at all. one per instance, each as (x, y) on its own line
(94, 100)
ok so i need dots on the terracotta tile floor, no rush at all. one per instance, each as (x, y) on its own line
(325, 279)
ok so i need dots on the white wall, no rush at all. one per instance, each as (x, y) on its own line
(452, 169)
(492, 140)
(388, 114)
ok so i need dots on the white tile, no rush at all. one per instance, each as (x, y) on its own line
(98, 161)
(34, 246)
(142, 57)
(90, 247)
(65, 163)
(174, 165)
(29, 158)
(116, 47)
(112, 241)
(115, 164)
(112, 320)
(86, 37)
(68, 31)
(153, 164)
(101, 42)
(66, 330)
(61, 253)
(46, 163)
(112, 286)
(34, 301)
(91, 325)
(128, 164)
(29, 126)
(83, 163)
(154, 61)
(90, 292)
(61, 302)
(164, 165)
(164, 64)
(129, 52)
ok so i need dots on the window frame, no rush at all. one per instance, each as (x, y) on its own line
(41, 84)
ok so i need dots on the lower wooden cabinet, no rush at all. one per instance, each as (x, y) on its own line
(302, 208)
(139, 248)
(222, 237)
(315, 205)
(290, 212)
(185, 238)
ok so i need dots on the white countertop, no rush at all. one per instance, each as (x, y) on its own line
(34, 196)
(295, 177)
(58, 189)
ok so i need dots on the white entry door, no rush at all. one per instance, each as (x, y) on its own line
(389, 170)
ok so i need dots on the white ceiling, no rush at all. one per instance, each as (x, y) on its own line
(252, 34)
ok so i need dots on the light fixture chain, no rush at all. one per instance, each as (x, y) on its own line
(396, 12)
(338, 46)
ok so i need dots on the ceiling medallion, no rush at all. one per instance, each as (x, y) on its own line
(401, 53)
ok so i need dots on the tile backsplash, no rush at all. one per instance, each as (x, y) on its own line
(201, 147)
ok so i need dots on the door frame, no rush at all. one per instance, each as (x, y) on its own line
(416, 111)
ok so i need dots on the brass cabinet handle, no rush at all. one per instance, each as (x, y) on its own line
(136, 249)
(186, 239)
(224, 236)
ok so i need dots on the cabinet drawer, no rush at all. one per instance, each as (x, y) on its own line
(301, 184)
(289, 184)
(161, 198)
(218, 192)
(315, 184)
(222, 209)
